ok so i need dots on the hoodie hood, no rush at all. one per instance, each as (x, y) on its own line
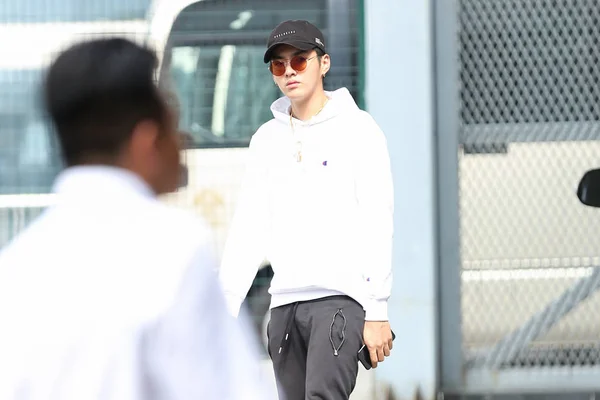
(340, 102)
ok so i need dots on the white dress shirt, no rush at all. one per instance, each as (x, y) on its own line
(110, 294)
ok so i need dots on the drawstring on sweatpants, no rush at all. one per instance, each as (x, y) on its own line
(288, 327)
(290, 322)
(342, 334)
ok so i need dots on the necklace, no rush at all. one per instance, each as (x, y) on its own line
(298, 152)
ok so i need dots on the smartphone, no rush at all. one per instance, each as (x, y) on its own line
(365, 357)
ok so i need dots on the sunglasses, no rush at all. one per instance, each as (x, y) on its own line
(298, 64)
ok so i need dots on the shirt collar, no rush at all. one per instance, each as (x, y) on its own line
(100, 181)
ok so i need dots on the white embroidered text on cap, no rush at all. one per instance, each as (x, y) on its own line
(283, 34)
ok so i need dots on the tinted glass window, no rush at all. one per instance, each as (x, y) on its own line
(29, 155)
(215, 62)
(29, 11)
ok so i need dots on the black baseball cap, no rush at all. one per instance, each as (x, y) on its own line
(297, 33)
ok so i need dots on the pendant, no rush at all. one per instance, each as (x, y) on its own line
(298, 152)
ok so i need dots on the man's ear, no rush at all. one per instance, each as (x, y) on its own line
(325, 64)
(144, 138)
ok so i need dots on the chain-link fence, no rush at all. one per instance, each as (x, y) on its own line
(530, 120)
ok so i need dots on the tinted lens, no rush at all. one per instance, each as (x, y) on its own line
(298, 63)
(277, 67)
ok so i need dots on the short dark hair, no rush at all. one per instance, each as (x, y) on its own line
(96, 92)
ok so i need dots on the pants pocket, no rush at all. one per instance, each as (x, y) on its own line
(337, 331)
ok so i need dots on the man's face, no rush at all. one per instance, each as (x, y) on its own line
(168, 147)
(153, 152)
(299, 83)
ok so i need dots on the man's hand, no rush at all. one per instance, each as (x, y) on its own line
(377, 336)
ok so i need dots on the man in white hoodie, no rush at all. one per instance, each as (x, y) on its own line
(317, 203)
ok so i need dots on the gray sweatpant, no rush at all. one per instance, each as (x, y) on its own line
(314, 348)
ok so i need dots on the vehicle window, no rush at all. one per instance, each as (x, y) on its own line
(29, 157)
(214, 62)
(30, 11)
(224, 92)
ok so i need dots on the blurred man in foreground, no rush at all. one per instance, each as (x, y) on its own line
(110, 294)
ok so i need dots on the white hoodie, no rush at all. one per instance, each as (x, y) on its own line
(325, 223)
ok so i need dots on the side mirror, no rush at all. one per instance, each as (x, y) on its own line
(588, 191)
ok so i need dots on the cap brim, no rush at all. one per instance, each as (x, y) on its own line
(299, 45)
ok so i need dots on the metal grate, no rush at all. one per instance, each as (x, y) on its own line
(532, 61)
(530, 115)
